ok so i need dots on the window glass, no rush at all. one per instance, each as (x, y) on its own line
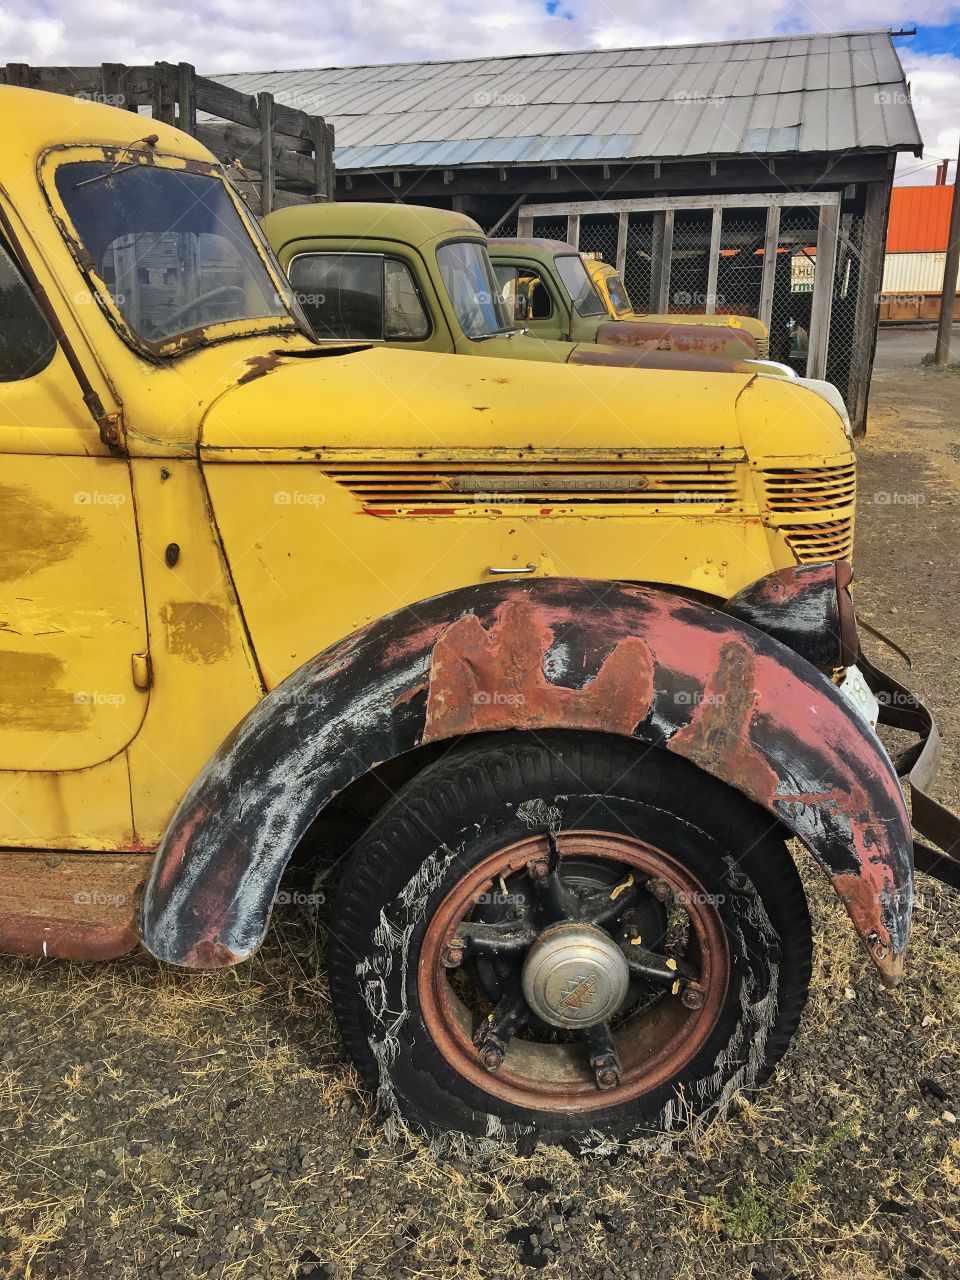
(473, 289)
(619, 298)
(171, 246)
(26, 343)
(404, 316)
(525, 295)
(577, 282)
(341, 293)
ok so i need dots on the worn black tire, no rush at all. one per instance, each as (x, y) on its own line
(463, 807)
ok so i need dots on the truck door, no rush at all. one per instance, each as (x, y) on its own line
(538, 308)
(71, 592)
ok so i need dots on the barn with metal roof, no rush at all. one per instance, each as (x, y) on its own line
(750, 175)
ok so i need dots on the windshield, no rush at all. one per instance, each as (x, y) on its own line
(619, 298)
(171, 247)
(577, 282)
(469, 280)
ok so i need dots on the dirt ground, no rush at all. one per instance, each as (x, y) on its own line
(159, 1124)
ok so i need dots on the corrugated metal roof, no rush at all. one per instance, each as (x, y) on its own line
(823, 93)
(919, 219)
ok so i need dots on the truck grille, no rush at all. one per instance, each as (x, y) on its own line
(810, 488)
(763, 348)
(431, 487)
(831, 540)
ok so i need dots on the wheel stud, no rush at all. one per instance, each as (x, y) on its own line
(538, 870)
(608, 1075)
(453, 956)
(692, 997)
(660, 889)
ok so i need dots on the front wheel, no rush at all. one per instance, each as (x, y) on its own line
(570, 938)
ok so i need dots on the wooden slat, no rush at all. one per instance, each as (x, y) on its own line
(186, 98)
(232, 142)
(229, 104)
(268, 181)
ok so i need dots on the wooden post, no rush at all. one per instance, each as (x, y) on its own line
(713, 263)
(18, 73)
(186, 98)
(623, 221)
(662, 252)
(950, 266)
(573, 229)
(111, 82)
(524, 226)
(267, 176)
(822, 302)
(768, 278)
(164, 88)
(866, 316)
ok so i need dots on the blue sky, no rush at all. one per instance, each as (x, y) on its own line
(248, 35)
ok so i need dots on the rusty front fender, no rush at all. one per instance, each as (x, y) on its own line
(542, 654)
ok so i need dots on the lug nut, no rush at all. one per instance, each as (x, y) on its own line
(659, 889)
(453, 957)
(490, 1057)
(692, 997)
(538, 870)
(608, 1078)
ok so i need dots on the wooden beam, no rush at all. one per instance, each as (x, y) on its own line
(866, 318)
(623, 227)
(268, 181)
(822, 302)
(662, 252)
(648, 204)
(768, 279)
(713, 262)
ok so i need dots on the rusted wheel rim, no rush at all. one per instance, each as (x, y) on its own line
(653, 1046)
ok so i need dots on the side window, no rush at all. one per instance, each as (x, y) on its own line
(404, 315)
(341, 293)
(26, 343)
(524, 292)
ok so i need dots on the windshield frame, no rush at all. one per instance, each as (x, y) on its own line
(601, 304)
(492, 282)
(55, 158)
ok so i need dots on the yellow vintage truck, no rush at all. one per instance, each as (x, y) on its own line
(609, 284)
(551, 669)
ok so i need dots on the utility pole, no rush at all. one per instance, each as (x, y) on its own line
(951, 263)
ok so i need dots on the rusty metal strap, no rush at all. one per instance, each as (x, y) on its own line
(903, 710)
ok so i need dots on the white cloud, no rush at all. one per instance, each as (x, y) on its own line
(247, 35)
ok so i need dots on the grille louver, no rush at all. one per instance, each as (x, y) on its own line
(831, 540)
(481, 482)
(810, 489)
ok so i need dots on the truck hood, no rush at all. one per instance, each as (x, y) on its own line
(697, 339)
(376, 398)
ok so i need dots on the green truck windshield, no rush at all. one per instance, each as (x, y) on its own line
(472, 287)
(577, 282)
(171, 247)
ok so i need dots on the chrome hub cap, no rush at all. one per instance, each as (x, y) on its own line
(575, 976)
